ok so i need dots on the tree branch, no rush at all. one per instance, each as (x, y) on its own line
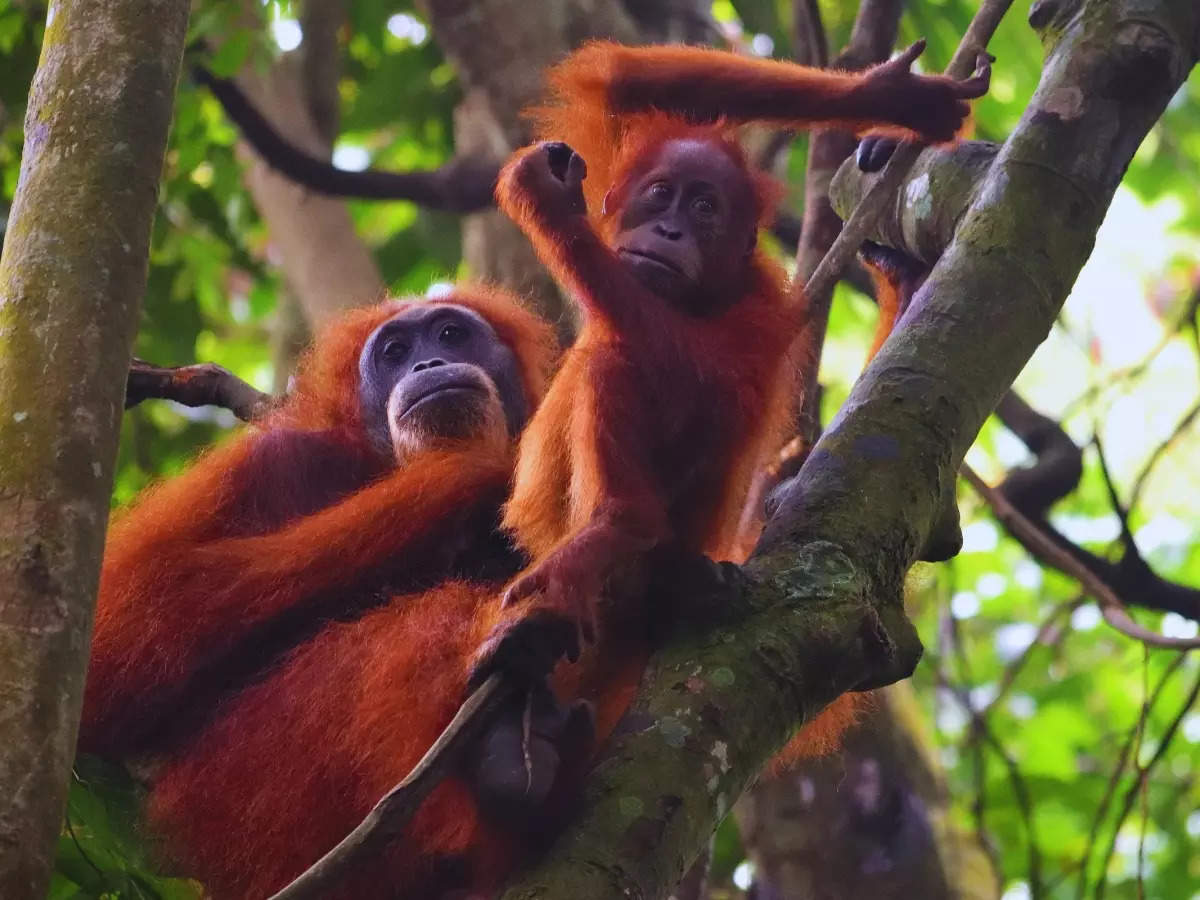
(1032, 491)
(1048, 552)
(871, 40)
(461, 185)
(203, 384)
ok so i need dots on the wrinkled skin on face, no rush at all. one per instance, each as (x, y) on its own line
(687, 226)
(438, 372)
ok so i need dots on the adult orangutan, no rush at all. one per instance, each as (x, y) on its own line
(287, 626)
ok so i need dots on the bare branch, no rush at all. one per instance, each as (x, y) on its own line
(810, 45)
(1046, 550)
(203, 384)
(461, 185)
(388, 817)
(1032, 491)
(871, 40)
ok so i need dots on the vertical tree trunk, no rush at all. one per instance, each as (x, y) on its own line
(72, 275)
(871, 821)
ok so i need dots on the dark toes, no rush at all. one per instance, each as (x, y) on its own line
(874, 152)
(511, 769)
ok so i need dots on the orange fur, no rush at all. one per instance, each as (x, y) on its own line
(282, 523)
(656, 422)
(262, 768)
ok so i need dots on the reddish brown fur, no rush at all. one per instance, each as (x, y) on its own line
(640, 366)
(193, 573)
(202, 563)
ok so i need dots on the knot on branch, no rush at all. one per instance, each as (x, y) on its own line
(1043, 12)
(1144, 61)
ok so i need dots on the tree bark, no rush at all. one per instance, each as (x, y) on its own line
(818, 609)
(325, 263)
(872, 821)
(72, 276)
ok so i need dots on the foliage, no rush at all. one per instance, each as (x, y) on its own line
(100, 852)
(1013, 716)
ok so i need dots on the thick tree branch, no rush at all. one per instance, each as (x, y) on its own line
(819, 609)
(956, 176)
(908, 218)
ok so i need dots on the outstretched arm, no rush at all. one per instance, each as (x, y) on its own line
(705, 85)
(172, 607)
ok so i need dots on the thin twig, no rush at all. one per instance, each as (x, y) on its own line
(1139, 484)
(391, 814)
(203, 384)
(1038, 543)
(980, 728)
(1009, 676)
(1114, 779)
(1143, 773)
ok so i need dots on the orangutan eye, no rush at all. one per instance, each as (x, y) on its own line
(705, 206)
(452, 334)
(394, 349)
(660, 190)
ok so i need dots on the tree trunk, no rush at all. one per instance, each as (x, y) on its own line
(72, 276)
(326, 265)
(872, 821)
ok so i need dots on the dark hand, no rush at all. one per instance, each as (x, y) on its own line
(557, 620)
(551, 174)
(934, 106)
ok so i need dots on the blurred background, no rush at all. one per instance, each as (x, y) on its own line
(1037, 752)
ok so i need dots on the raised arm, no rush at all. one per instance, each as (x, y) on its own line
(540, 189)
(706, 85)
(177, 601)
